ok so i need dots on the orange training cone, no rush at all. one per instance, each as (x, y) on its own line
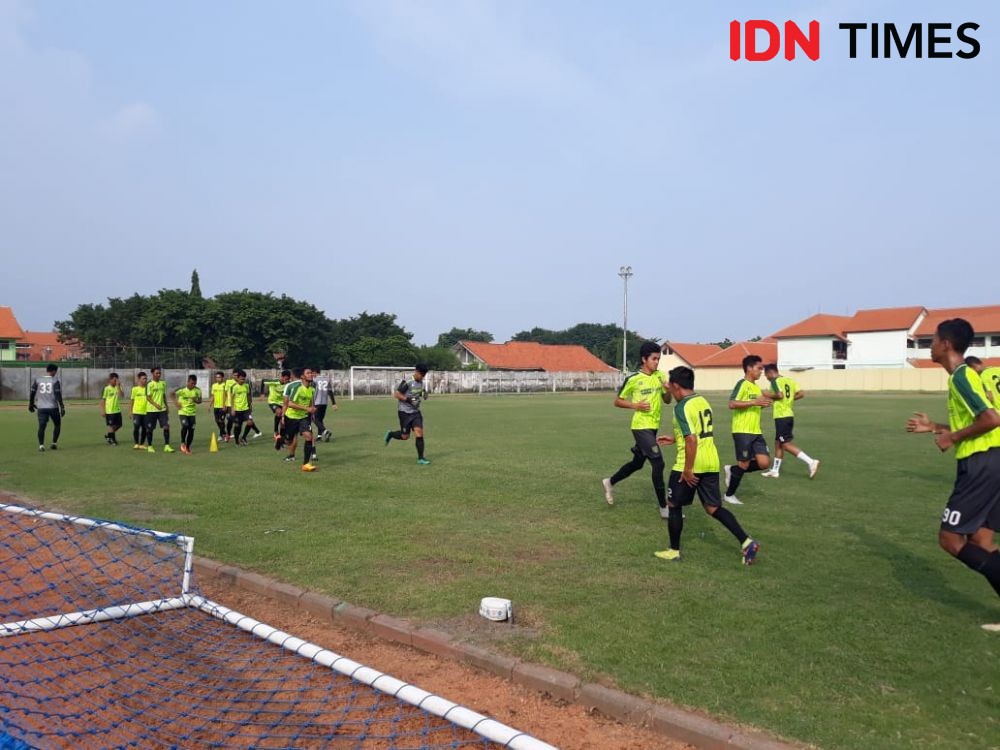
(213, 447)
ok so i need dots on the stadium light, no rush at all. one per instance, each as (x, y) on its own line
(625, 272)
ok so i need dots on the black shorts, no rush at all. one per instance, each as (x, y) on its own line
(409, 420)
(975, 500)
(44, 415)
(243, 416)
(748, 446)
(295, 427)
(113, 420)
(220, 413)
(707, 489)
(154, 418)
(783, 429)
(645, 444)
(188, 420)
(274, 408)
(139, 420)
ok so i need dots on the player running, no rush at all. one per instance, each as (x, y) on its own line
(990, 377)
(298, 409)
(409, 394)
(746, 401)
(784, 393)
(324, 397)
(696, 468)
(241, 399)
(218, 403)
(187, 400)
(973, 510)
(644, 392)
(276, 401)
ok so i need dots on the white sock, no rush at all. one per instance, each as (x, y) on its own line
(776, 465)
(803, 457)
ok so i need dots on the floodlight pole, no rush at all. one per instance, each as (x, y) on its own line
(625, 272)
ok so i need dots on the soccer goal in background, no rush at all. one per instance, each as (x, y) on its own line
(105, 642)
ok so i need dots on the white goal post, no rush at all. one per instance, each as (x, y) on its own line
(372, 368)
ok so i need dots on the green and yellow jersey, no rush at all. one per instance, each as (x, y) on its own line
(111, 403)
(229, 391)
(188, 399)
(693, 416)
(966, 401)
(218, 395)
(239, 396)
(991, 383)
(746, 420)
(640, 387)
(300, 398)
(787, 387)
(156, 396)
(275, 392)
(138, 396)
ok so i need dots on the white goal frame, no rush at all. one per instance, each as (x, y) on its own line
(370, 367)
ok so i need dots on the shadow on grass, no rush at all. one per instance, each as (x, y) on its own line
(922, 579)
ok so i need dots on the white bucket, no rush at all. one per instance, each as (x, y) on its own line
(496, 609)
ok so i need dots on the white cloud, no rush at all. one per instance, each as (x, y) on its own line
(134, 120)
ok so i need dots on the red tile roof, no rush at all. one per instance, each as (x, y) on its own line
(732, 356)
(819, 324)
(985, 319)
(531, 355)
(693, 354)
(883, 319)
(9, 327)
(46, 347)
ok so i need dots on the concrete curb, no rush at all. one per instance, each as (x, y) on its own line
(671, 722)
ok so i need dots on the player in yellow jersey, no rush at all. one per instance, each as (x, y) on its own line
(187, 400)
(973, 510)
(696, 469)
(157, 413)
(241, 398)
(784, 393)
(746, 401)
(111, 408)
(990, 377)
(217, 402)
(230, 418)
(644, 392)
(276, 402)
(298, 409)
(138, 398)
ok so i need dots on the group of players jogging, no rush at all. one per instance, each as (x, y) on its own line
(971, 515)
(298, 400)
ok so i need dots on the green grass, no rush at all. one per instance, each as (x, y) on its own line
(853, 630)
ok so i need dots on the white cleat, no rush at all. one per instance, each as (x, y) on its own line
(813, 468)
(732, 500)
(992, 627)
(41, 449)
(772, 474)
(609, 494)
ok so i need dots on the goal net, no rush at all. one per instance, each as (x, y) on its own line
(106, 643)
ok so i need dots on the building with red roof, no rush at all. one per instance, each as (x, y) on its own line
(530, 355)
(10, 333)
(32, 346)
(676, 354)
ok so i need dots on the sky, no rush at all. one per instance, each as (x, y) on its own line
(491, 165)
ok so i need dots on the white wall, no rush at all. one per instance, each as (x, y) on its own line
(815, 351)
(877, 349)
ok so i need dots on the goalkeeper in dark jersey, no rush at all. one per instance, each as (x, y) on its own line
(409, 394)
(46, 398)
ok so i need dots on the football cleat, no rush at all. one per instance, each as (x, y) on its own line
(424, 461)
(609, 494)
(750, 551)
(732, 500)
(772, 474)
(308, 467)
(671, 555)
(167, 449)
(813, 468)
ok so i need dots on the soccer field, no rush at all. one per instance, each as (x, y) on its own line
(853, 630)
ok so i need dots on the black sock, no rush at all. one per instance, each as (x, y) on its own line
(41, 435)
(55, 433)
(190, 437)
(675, 525)
(397, 435)
(229, 425)
(751, 468)
(277, 425)
(184, 432)
(149, 438)
(735, 475)
(246, 431)
(166, 436)
(114, 437)
(307, 453)
(627, 470)
(987, 564)
(727, 519)
(420, 447)
(135, 434)
(658, 486)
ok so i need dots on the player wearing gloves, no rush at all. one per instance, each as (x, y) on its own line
(46, 398)
(409, 394)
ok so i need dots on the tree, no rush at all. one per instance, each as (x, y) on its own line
(195, 285)
(602, 340)
(438, 358)
(452, 337)
(724, 344)
(394, 350)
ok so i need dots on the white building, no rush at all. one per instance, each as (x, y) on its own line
(880, 338)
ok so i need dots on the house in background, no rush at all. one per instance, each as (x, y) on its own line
(985, 322)
(530, 355)
(817, 342)
(676, 354)
(732, 356)
(16, 344)
(878, 338)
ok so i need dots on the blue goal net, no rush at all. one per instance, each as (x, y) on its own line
(106, 643)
